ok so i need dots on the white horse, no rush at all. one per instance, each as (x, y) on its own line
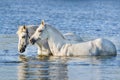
(59, 46)
(25, 32)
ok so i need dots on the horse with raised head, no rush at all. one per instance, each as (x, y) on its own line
(25, 32)
(59, 46)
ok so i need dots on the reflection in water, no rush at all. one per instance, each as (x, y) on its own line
(42, 69)
(57, 68)
(93, 68)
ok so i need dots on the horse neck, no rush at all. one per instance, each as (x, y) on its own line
(55, 35)
(55, 39)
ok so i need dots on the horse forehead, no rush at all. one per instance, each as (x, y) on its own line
(21, 29)
(22, 34)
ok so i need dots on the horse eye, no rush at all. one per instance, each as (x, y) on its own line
(40, 30)
(23, 36)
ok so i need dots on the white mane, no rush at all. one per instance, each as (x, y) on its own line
(54, 29)
(30, 28)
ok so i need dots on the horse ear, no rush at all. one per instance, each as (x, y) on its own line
(24, 27)
(43, 23)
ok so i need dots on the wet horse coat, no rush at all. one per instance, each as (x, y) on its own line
(25, 32)
(59, 46)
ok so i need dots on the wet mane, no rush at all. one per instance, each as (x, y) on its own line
(28, 27)
(55, 30)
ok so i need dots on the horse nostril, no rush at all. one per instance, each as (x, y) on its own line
(20, 50)
(31, 40)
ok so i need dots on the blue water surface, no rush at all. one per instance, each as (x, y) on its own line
(85, 17)
(89, 19)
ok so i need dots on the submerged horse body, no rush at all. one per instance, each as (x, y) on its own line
(25, 32)
(59, 46)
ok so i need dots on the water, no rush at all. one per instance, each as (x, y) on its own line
(88, 18)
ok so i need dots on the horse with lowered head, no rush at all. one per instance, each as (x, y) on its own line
(25, 32)
(59, 46)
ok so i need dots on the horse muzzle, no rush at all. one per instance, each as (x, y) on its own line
(32, 41)
(22, 50)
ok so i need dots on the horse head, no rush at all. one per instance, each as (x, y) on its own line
(40, 33)
(23, 38)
